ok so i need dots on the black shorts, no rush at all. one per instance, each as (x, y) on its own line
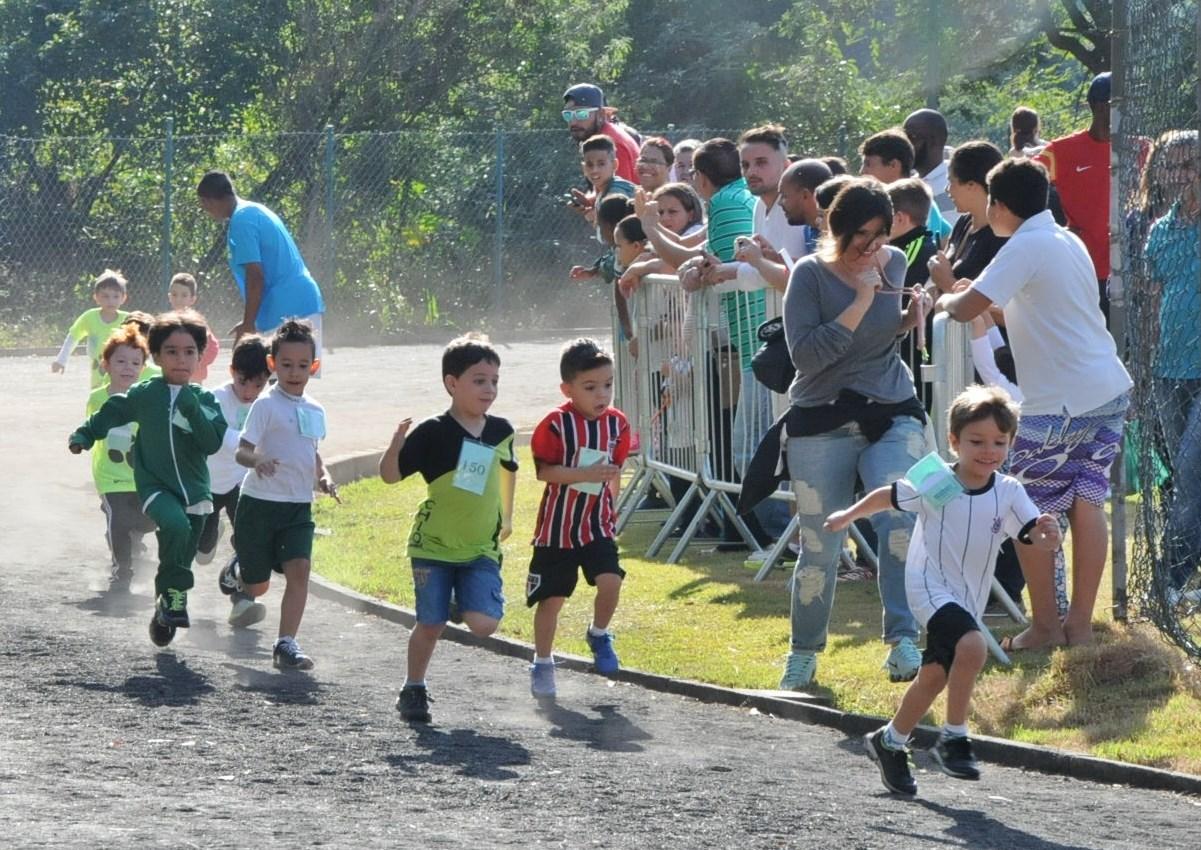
(949, 623)
(555, 571)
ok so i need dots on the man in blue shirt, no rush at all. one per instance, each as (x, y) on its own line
(271, 275)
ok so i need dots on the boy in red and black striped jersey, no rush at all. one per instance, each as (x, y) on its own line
(578, 450)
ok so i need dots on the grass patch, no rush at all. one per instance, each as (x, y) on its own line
(1129, 696)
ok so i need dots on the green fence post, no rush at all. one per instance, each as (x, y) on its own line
(168, 168)
(498, 272)
(331, 262)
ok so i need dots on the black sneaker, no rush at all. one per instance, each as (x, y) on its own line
(414, 704)
(893, 764)
(171, 609)
(954, 757)
(287, 655)
(160, 635)
(230, 578)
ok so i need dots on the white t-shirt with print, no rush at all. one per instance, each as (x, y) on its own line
(953, 551)
(287, 428)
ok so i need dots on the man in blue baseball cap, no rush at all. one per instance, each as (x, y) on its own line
(586, 115)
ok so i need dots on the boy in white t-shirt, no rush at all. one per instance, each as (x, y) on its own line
(273, 525)
(948, 574)
(248, 372)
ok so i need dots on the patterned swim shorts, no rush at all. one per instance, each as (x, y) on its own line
(1061, 458)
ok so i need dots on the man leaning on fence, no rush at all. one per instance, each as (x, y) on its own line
(274, 281)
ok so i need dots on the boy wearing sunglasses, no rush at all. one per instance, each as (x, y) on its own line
(121, 359)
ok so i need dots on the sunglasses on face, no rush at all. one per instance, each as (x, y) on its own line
(570, 115)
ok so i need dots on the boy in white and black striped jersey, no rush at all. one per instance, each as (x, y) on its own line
(948, 575)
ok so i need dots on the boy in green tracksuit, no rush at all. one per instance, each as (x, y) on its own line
(179, 426)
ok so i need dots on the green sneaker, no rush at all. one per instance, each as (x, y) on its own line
(172, 608)
(799, 671)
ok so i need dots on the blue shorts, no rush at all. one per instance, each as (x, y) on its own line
(476, 584)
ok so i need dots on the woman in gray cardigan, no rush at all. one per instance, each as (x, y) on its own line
(853, 412)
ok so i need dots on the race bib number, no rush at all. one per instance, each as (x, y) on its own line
(590, 457)
(475, 462)
(243, 412)
(311, 423)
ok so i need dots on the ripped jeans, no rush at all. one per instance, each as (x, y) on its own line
(823, 468)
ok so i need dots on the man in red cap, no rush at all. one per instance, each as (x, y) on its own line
(586, 115)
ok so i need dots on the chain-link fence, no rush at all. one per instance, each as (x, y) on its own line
(399, 228)
(1158, 264)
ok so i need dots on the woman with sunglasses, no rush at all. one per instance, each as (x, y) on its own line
(853, 414)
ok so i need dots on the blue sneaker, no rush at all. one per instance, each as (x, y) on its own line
(603, 656)
(903, 661)
(542, 680)
(798, 671)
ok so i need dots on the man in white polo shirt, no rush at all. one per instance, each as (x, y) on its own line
(1076, 388)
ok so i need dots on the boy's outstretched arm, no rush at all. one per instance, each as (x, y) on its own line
(204, 415)
(877, 500)
(1046, 534)
(389, 463)
(115, 412)
(248, 457)
(325, 482)
(508, 487)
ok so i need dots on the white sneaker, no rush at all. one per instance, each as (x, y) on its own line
(246, 612)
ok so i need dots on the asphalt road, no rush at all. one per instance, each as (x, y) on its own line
(107, 742)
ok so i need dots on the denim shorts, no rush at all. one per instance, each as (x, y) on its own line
(476, 584)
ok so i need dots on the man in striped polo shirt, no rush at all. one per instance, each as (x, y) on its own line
(578, 450)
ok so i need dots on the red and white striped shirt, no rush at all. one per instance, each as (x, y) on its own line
(569, 518)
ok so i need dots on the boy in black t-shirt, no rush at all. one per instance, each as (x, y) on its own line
(467, 460)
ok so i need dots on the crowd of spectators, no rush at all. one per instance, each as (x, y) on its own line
(1017, 244)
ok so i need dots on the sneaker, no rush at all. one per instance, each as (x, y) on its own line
(287, 655)
(160, 635)
(603, 656)
(954, 757)
(246, 612)
(893, 764)
(799, 671)
(230, 578)
(903, 661)
(996, 609)
(542, 679)
(171, 609)
(414, 704)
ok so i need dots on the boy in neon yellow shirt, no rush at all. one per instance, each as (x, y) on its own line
(95, 325)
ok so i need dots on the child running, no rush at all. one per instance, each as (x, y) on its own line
(948, 574)
(121, 359)
(179, 426)
(95, 325)
(467, 460)
(183, 293)
(248, 373)
(273, 523)
(578, 451)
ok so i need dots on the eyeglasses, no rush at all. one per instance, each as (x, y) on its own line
(570, 115)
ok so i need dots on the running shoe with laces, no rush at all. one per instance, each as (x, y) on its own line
(542, 679)
(903, 661)
(414, 704)
(171, 609)
(604, 658)
(244, 611)
(954, 757)
(230, 578)
(893, 764)
(287, 655)
(799, 671)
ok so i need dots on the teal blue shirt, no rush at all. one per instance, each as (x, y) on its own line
(1174, 260)
(256, 235)
(732, 214)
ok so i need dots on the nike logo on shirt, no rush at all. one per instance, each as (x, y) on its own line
(1080, 168)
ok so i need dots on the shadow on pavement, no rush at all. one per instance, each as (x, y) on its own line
(610, 731)
(972, 828)
(216, 636)
(176, 684)
(470, 753)
(116, 600)
(291, 687)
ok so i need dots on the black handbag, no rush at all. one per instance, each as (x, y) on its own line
(772, 364)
